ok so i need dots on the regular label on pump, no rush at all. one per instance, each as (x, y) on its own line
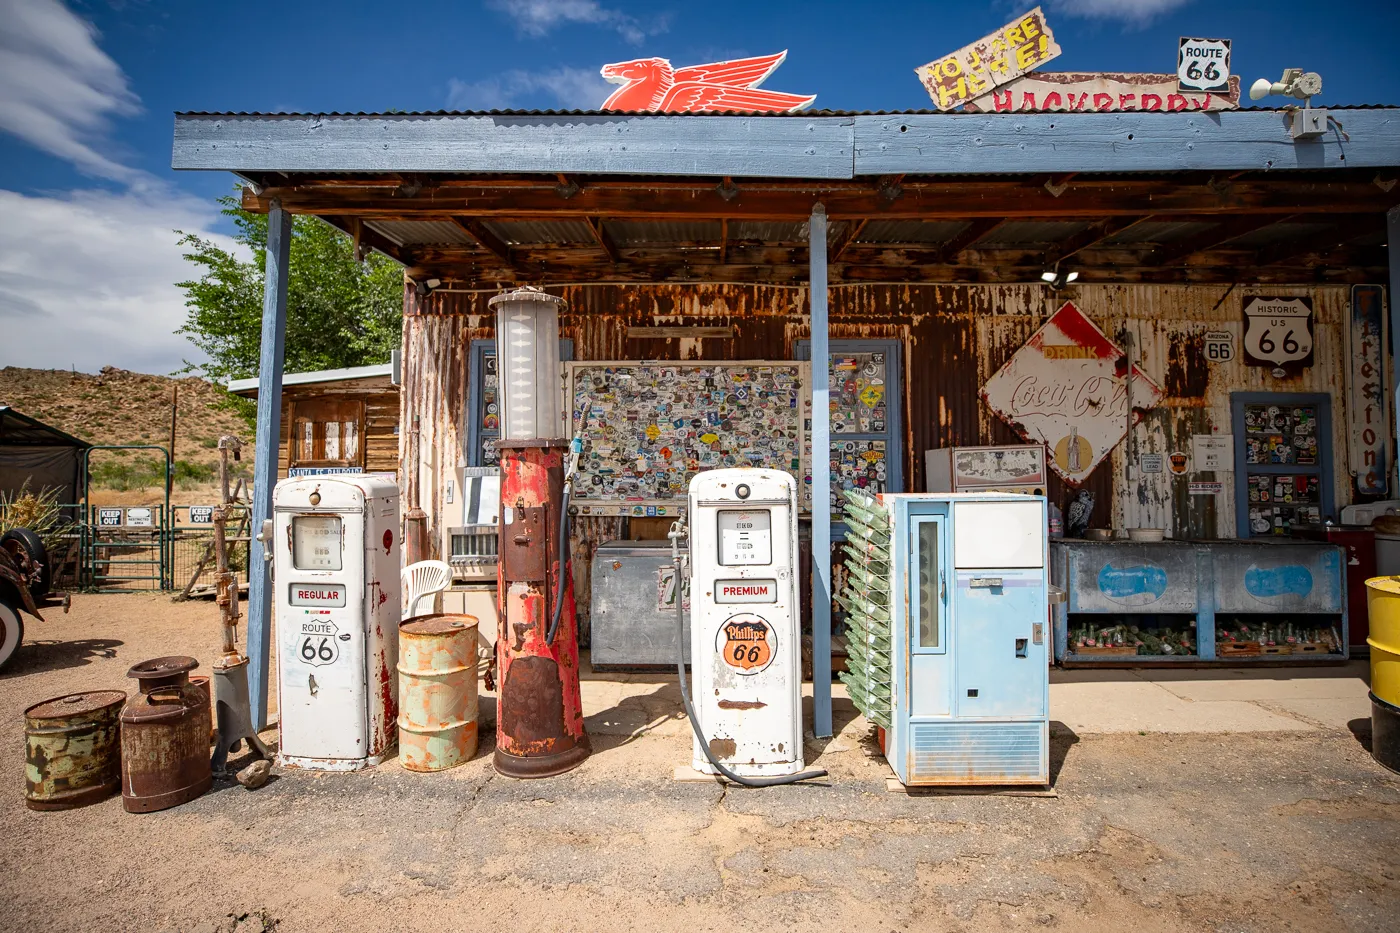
(327, 595)
(747, 643)
(745, 537)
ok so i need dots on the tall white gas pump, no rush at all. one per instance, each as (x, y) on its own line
(745, 626)
(336, 599)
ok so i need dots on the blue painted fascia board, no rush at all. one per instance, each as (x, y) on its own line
(818, 147)
(741, 146)
(1119, 142)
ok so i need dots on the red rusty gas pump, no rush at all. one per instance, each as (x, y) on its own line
(539, 712)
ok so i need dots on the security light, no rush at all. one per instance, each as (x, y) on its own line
(1304, 122)
(1057, 279)
(1295, 83)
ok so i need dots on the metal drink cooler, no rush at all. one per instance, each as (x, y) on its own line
(1205, 587)
(969, 647)
(336, 596)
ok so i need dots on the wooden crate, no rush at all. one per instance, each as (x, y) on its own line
(1105, 651)
(1275, 651)
(1312, 648)
(1237, 649)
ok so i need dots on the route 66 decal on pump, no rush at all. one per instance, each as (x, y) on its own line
(1278, 333)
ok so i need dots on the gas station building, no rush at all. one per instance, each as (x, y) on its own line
(912, 255)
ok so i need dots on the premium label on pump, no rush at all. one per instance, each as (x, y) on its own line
(747, 643)
(746, 591)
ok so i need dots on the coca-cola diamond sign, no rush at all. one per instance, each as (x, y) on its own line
(1067, 388)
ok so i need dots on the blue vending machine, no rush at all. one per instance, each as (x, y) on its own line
(957, 670)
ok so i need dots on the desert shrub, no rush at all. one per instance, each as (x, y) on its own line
(39, 512)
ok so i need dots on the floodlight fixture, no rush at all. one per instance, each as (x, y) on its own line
(1304, 122)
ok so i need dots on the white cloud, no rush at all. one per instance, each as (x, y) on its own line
(57, 88)
(1132, 12)
(88, 279)
(568, 88)
(537, 17)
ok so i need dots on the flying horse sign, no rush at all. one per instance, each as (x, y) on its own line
(652, 85)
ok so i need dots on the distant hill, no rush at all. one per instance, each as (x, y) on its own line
(116, 406)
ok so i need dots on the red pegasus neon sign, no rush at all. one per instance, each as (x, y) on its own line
(651, 84)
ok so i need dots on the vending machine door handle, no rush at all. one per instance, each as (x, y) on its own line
(942, 586)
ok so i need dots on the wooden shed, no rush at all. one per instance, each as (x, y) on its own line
(336, 421)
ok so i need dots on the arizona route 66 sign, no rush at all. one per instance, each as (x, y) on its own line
(1278, 332)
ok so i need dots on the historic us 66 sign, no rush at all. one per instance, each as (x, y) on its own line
(1278, 332)
(1203, 65)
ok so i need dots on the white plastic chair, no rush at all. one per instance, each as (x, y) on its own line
(424, 580)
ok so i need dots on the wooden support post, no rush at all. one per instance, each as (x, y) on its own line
(269, 432)
(821, 479)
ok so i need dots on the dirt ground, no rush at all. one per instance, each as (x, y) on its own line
(1260, 832)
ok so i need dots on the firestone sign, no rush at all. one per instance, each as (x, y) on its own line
(1067, 388)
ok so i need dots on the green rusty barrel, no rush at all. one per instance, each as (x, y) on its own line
(437, 691)
(73, 750)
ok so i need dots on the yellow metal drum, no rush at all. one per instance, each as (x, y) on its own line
(1383, 606)
(1383, 601)
(437, 691)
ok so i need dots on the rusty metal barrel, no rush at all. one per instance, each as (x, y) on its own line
(72, 750)
(165, 737)
(437, 691)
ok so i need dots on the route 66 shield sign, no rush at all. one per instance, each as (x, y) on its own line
(1278, 332)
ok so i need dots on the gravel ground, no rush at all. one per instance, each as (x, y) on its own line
(1261, 832)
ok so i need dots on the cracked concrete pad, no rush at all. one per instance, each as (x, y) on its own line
(1106, 706)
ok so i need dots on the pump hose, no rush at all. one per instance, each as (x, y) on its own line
(563, 566)
(690, 709)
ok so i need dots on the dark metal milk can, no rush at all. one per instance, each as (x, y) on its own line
(165, 737)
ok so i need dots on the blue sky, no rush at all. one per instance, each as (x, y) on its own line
(87, 89)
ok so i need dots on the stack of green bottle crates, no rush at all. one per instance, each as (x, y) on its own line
(866, 599)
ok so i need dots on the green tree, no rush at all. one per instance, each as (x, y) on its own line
(339, 312)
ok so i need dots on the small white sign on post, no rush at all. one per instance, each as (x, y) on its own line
(1213, 451)
(1203, 65)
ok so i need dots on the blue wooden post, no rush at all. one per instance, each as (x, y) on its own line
(1392, 239)
(274, 331)
(820, 438)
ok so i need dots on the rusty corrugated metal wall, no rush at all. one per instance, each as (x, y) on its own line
(955, 337)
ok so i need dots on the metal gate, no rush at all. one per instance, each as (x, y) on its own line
(128, 548)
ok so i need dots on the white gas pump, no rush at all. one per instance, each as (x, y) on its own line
(336, 586)
(745, 626)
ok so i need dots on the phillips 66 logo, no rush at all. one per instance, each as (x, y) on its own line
(1278, 332)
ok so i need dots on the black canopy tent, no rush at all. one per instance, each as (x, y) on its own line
(41, 455)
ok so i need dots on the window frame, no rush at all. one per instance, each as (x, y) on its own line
(318, 434)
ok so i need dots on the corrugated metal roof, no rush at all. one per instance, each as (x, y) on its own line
(418, 232)
(1033, 232)
(910, 231)
(643, 233)
(536, 232)
(1158, 231)
(635, 113)
(1276, 233)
